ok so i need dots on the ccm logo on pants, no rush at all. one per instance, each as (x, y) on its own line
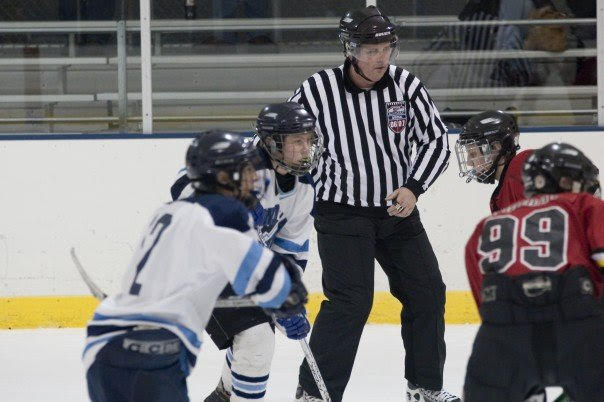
(168, 347)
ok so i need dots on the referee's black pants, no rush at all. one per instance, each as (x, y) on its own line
(349, 241)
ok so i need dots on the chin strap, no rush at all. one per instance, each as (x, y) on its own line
(489, 176)
(358, 70)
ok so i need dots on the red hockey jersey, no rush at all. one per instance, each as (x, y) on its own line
(510, 188)
(546, 233)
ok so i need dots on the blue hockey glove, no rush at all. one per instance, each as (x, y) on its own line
(294, 327)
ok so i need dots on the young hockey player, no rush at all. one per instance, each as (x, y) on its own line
(290, 146)
(535, 270)
(486, 152)
(142, 341)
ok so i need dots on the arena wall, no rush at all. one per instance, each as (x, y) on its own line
(96, 193)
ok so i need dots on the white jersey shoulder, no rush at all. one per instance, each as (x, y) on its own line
(184, 260)
(283, 219)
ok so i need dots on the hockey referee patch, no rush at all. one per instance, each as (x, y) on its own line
(397, 116)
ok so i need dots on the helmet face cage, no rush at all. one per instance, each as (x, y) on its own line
(476, 159)
(493, 126)
(284, 155)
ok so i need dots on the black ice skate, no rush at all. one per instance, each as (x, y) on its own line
(302, 396)
(219, 394)
(417, 394)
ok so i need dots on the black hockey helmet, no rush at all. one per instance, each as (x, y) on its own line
(220, 158)
(366, 25)
(278, 121)
(474, 149)
(559, 167)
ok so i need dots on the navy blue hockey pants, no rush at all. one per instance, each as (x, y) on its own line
(140, 366)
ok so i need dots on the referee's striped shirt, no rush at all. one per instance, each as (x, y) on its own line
(369, 136)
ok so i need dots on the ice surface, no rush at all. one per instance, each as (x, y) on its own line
(44, 365)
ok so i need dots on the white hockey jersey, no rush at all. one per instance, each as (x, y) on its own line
(283, 217)
(188, 253)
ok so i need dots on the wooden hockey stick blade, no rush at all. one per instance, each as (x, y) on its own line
(94, 289)
(314, 369)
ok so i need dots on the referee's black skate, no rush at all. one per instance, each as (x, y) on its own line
(219, 394)
(417, 394)
(302, 396)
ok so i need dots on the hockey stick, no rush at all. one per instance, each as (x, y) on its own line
(234, 302)
(94, 289)
(220, 303)
(314, 369)
(230, 302)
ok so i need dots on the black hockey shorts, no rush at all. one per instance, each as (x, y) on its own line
(148, 365)
(225, 323)
(508, 362)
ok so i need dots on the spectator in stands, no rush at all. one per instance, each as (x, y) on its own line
(488, 72)
(552, 38)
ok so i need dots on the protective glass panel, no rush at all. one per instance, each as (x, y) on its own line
(59, 65)
(478, 55)
(216, 63)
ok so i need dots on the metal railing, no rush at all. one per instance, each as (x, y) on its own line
(274, 60)
(263, 24)
(297, 59)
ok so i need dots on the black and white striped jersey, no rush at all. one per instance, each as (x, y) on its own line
(369, 136)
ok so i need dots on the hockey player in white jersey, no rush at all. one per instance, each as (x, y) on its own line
(287, 138)
(142, 342)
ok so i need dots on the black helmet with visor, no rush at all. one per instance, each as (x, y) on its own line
(367, 26)
(290, 123)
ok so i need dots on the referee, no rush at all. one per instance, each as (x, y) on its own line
(371, 114)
